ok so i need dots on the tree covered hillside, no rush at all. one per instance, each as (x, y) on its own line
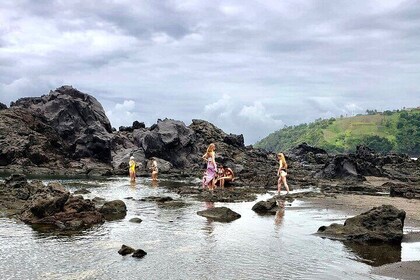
(389, 131)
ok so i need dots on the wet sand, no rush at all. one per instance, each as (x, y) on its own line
(356, 204)
(400, 270)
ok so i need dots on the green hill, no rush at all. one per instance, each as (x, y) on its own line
(389, 131)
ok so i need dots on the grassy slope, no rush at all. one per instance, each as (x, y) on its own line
(336, 134)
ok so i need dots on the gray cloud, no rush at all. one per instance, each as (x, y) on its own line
(250, 68)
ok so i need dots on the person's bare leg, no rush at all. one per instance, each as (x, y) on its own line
(222, 183)
(279, 185)
(213, 184)
(285, 183)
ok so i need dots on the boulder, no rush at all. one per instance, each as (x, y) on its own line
(139, 253)
(380, 224)
(27, 138)
(115, 209)
(77, 118)
(266, 207)
(220, 214)
(51, 206)
(169, 140)
(341, 167)
(125, 250)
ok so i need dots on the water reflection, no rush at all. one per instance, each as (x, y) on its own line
(375, 255)
(133, 184)
(278, 220)
(155, 184)
(190, 247)
(209, 204)
(209, 226)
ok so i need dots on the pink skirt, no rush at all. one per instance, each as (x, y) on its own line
(209, 175)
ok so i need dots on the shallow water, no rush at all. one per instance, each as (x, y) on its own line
(182, 245)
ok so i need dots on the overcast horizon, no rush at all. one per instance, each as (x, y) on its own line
(249, 67)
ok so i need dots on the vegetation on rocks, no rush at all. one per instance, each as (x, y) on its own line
(389, 131)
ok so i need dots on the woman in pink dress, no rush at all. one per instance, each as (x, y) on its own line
(209, 178)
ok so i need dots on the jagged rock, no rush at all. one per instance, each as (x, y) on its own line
(234, 140)
(77, 118)
(26, 138)
(380, 224)
(2, 106)
(403, 190)
(342, 166)
(126, 128)
(51, 205)
(307, 153)
(138, 125)
(48, 200)
(220, 214)
(66, 133)
(169, 140)
(16, 180)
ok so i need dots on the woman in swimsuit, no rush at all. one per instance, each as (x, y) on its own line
(209, 178)
(227, 176)
(282, 173)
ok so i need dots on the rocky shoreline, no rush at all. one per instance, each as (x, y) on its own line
(67, 133)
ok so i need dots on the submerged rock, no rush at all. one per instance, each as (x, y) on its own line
(136, 220)
(380, 224)
(139, 253)
(82, 191)
(114, 210)
(220, 214)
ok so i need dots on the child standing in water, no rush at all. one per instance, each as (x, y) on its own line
(209, 179)
(282, 173)
(154, 169)
(132, 169)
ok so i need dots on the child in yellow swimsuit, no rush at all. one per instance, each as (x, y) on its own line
(132, 169)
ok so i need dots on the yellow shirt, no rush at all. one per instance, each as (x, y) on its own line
(132, 164)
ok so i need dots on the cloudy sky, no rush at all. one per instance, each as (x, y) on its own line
(249, 67)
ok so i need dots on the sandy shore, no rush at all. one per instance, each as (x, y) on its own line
(353, 205)
(400, 270)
